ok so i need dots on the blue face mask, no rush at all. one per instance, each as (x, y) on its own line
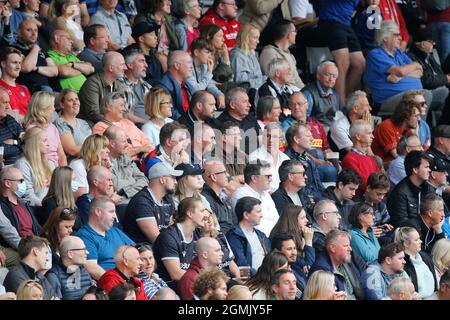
(21, 189)
(74, 186)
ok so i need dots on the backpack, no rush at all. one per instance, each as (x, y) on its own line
(435, 5)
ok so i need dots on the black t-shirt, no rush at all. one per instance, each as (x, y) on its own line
(171, 244)
(33, 80)
(142, 206)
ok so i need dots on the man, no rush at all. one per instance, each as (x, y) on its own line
(96, 40)
(359, 158)
(322, 99)
(216, 180)
(283, 37)
(146, 36)
(237, 109)
(327, 218)
(179, 69)
(10, 64)
(342, 194)
(202, 77)
(209, 256)
(386, 135)
(283, 285)
(405, 145)
(201, 109)
(9, 241)
(72, 72)
(19, 213)
(100, 184)
(378, 276)
(433, 77)
(277, 83)
(441, 144)
(429, 223)
(401, 289)
(11, 132)
(136, 87)
(444, 288)
(211, 285)
(37, 66)
(356, 108)
(113, 110)
(128, 264)
(68, 276)
(249, 245)
(203, 142)
(223, 13)
(151, 210)
(98, 85)
(127, 178)
(257, 183)
(299, 139)
(403, 202)
(292, 187)
(115, 22)
(438, 176)
(33, 252)
(269, 152)
(101, 237)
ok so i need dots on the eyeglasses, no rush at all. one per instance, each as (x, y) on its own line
(332, 212)
(66, 212)
(79, 249)
(303, 173)
(397, 34)
(220, 172)
(230, 4)
(20, 180)
(421, 104)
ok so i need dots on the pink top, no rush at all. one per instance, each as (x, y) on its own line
(53, 142)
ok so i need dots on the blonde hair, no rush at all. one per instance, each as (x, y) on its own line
(318, 283)
(441, 255)
(243, 37)
(39, 164)
(403, 234)
(91, 148)
(24, 290)
(181, 189)
(214, 232)
(237, 292)
(152, 102)
(60, 187)
(411, 94)
(38, 108)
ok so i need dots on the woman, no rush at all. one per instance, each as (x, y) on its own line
(35, 167)
(244, 59)
(39, 114)
(321, 287)
(213, 34)
(441, 256)
(72, 131)
(158, 12)
(64, 15)
(158, 106)
(60, 194)
(30, 290)
(363, 240)
(95, 293)
(239, 292)
(419, 266)
(190, 12)
(59, 225)
(123, 291)
(151, 280)
(211, 230)
(189, 184)
(259, 284)
(268, 110)
(423, 131)
(294, 221)
(93, 151)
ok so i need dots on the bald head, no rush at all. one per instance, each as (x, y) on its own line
(97, 173)
(179, 64)
(204, 244)
(70, 243)
(111, 58)
(209, 252)
(28, 32)
(113, 133)
(10, 173)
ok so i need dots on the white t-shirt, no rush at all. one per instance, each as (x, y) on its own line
(257, 249)
(79, 169)
(300, 8)
(295, 198)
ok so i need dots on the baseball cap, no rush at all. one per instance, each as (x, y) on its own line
(423, 34)
(437, 164)
(161, 169)
(143, 28)
(442, 130)
(188, 170)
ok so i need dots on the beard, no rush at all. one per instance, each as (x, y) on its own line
(170, 191)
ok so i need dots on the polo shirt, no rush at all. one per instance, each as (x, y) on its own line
(73, 82)
(102, 248)
(116, 24)
(19, 97)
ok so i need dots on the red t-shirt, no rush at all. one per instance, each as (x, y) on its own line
(25, 222)
(19, 96)
(386, 136)
(230, 27)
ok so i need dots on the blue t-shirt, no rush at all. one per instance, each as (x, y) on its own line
(378, 62)
(102, 248)
(338, 10)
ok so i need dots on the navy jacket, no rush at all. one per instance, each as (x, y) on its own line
(323, 262)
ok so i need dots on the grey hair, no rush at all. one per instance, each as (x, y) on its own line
(272, 126)
(109, 98)
(183, 6)
(334, 235)
(319, 208)
(276, 65)
(321, 67)
(385, 30)
(353, 100)
(401, 146)
(429, 202)
(131, 56)
(231, 95)
(174, 57)
(358, 127)
(398, 285)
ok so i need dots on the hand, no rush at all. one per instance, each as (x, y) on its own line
(378, 231)
(210, 64)
(387, 227)
(367, 116)
(8, 296)
(35, 47)
(308, 235)
(9, 141)
(116, 198)
(393, 78)
(147, 149)
(221, 102)
(224, 53)
(340, 295)
(448, 78)
(106, 162)
(2, 259)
